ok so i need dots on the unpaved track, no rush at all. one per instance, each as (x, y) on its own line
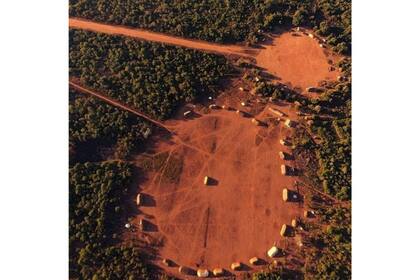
(126, 108)
(117, 104)
(159, 37)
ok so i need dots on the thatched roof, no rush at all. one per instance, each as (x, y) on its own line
(218, 271)
(138, 199)
(235, 266)
(202, 273)
(285, 194)
(283, 231)
(206, 180)
(273, 252)
(166, 262)
(184, 270)
(283, 169)
(253, 260)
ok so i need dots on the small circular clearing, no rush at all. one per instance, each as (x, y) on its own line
(298, 59)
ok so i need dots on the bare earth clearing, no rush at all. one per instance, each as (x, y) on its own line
(297, 60)
(240, 214)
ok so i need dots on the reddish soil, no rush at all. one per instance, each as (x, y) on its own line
(293, 57)
(298, 60)
(240, 216)
(159, 37)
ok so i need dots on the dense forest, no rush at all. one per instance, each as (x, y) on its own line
(328, 254)
(225, 21)
(151, 77)
(330, 125)
(97, 192)
(95, 127)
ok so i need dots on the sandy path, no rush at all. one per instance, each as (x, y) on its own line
(159, 37)
(117, 104)
(126, 108)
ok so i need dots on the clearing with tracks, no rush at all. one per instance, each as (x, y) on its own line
(239, 215)
(292, 58)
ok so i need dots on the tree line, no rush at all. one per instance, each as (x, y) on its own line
(225, 21)
(96, 195)
(151, 77)
(322, 143)
(95, 126)
(328, 256)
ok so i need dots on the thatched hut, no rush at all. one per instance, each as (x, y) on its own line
(235, 266)
(184, 270)
(218, 272)
(284, 231)
(286, 194)
(187, 114)
(273, 252)
(282, 155)
(254, 261)
(289, 123)
(202, 273)
(166, 262)
(255, 121)
(206, 180)
(138, 199)
(285, 170)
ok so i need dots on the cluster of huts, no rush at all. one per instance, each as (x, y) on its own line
(218, 271)
(320, 41)
(287, 195)
(273, 252)
(238, 111)
(142, 225)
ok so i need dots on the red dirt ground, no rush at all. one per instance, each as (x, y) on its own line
(298, 60)
(158, 37)
(295, 60)
(240, 217)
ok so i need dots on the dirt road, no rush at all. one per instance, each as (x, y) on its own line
(127, 108)
(295, 59)
(159, 37)
(117, 104)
